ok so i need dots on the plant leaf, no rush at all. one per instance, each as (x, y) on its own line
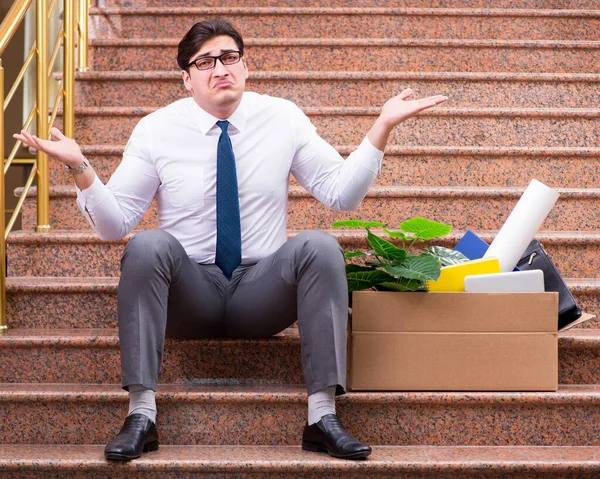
(425, 229)
(366, 279)
(357, 224)
(421, 267)
(398, 234)
(353, 268)
(354, 254)
(445, 255)
(385, 248)
(404, 285)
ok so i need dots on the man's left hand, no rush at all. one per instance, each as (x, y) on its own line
(400, 108)
(395, 111)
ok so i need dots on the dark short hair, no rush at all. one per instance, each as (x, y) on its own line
(200, 33)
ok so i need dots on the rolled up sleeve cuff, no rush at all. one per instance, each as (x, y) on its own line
(369, 156)
(93, 195)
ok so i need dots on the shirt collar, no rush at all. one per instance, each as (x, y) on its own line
(206, 121)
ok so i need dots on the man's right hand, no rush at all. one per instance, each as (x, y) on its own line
(62, 148)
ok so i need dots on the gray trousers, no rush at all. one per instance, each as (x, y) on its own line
(162, 292)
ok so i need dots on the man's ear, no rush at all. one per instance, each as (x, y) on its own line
(245, 67)
(187, 81)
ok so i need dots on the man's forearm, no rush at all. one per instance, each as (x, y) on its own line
(104, 216)
(379, 133)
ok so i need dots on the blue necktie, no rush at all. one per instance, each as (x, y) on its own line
(229, 236)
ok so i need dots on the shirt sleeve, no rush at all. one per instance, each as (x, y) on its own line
(114, 209)
(321, 170)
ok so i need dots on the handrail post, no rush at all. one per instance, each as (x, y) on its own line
(3, 326)
(82, 45)
(43, 190)
(69, 69)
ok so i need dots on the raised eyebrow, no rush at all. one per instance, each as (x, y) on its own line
(204, 55)
(223, 52)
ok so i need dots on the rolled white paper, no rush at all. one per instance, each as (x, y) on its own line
(522, 225)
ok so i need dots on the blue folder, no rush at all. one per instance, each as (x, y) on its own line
(473, 247)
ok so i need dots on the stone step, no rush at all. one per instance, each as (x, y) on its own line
(476, 208)
(356, 54)
(61, 302)
(430, 166)
(437, 4)
(465, 127)
(587, 294)
(74, 355)
(82, 253)
(275, 415)
(352, 22)
(410, 462)
(344, 89)
(91, 302)
(579, 350)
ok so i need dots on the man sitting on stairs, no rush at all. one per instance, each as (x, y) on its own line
(218, 164)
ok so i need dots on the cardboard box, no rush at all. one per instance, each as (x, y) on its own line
(448, 341)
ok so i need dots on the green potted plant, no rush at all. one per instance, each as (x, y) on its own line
(388, 267)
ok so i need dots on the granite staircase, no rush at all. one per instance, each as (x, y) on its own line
(523, 81)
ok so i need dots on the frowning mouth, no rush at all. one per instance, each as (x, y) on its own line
(223, 84)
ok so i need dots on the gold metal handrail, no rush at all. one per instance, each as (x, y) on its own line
(11, 22)
(20, 76)
(82, 34)
(41, 98)
(17, 208)
(72, 35)
(51, 8)
(15, 149)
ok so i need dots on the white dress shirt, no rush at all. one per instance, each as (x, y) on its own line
(172, 155)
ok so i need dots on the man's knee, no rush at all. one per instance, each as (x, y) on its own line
(321, 246)
(149, 247)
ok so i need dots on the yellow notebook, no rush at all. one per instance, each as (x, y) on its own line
(452, 278)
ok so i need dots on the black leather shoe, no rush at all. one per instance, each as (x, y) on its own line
(328, 435)
(137, 435)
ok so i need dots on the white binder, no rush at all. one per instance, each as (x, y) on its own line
(531, 281)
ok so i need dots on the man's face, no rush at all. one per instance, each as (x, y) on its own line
(218, 90)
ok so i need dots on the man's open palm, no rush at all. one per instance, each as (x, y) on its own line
(400, 108)
(62, 148)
